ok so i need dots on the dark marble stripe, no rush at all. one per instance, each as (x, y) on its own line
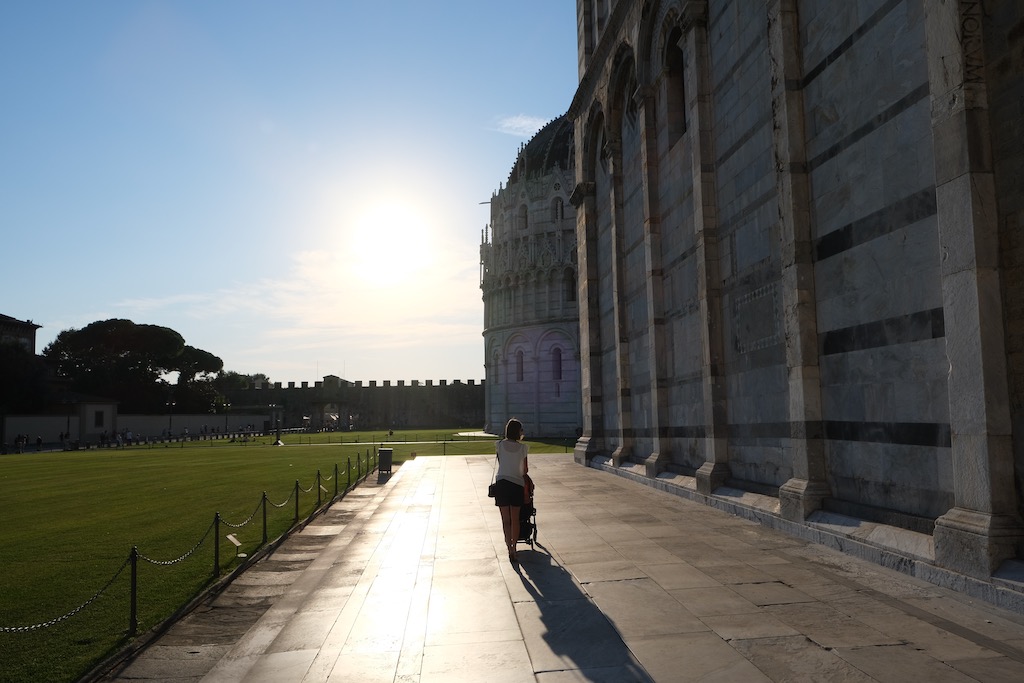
(888, 219)
(904, 329)
(932, 434)
(904, 103)
(927, 434)
(842, 48)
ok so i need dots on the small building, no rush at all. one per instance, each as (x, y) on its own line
(21, 332)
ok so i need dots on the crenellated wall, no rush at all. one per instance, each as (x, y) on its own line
(417, 404)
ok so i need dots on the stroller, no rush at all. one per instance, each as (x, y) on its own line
(528, 517)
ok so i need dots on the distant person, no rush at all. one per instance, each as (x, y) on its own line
(510, 482)
(39, 444)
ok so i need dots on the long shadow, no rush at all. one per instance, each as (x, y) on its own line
(579, 635)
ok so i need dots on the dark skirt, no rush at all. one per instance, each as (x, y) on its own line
(508, 493)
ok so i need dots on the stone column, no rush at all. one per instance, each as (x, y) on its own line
(584, 201)
(623, 403)
(657, 352)
(715, 470)
(805, 447)
(983, 527)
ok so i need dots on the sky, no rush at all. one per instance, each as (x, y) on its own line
(296, 187)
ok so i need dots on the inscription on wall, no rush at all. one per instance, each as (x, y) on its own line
(755, 319)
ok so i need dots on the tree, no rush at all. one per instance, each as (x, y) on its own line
(122, 360)
(192, 361)
(24, 387)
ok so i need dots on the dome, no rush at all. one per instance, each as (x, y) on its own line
(550, 148)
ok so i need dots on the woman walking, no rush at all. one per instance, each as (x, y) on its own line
(510, 482)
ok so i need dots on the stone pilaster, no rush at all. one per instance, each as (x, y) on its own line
(715, 470)
(623, 401)
(654, 462)
(983, 528)
(590, 328)
(805, 447)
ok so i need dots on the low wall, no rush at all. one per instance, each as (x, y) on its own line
(50, 427)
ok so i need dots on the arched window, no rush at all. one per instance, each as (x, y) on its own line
(675, 86)
(519, 366)
(569, 285)
(556, 364)
(524, 221)
(557, 209)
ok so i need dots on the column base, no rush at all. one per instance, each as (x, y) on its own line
(976, 543)
(585, 449)
(654, 464)
(619, 455)
(798, 498)
(712, 475)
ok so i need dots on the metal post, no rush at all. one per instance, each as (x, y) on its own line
(264, 518)
(335, 480)
(216, 545)
(296, 501)
(133, 615)
(349, 470)
(318, 489)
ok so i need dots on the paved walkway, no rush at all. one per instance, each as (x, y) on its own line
(407, 582)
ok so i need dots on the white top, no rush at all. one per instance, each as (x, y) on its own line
(512, 461)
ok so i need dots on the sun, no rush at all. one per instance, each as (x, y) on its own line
(390, 241)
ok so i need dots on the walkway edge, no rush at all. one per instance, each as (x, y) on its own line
(1005, 593)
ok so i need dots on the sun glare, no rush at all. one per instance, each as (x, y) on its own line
(391, 240)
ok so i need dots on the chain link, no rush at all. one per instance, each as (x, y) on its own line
(285, 501)
(310, 489)
(53, 622)
(249, 519)
(183, 557)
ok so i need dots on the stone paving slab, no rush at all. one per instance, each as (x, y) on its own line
(407, 582)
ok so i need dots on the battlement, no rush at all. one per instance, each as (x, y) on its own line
(333, 401)
(332, 382)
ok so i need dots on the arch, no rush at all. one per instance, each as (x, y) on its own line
(593, 142)
(556, 337)
(622, 104)
(674, 83)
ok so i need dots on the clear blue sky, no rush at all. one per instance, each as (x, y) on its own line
(292, 186)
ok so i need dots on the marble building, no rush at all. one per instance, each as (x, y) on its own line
(801, 265)
(528, 280)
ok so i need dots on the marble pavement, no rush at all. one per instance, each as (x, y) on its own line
(406, 581)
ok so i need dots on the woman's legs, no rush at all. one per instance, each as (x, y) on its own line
(510, 525)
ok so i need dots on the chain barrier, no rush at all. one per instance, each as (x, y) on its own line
(54, 622)
(282, 504)
(183, 557)
(259, 506)
(128, 560)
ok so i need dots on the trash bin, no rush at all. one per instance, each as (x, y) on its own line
(384, 460)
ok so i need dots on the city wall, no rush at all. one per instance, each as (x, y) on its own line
(336, 403)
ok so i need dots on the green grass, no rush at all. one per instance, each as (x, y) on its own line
(70, 519)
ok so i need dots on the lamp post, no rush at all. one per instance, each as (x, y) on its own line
(226, 407)
(170, 417)
(277, 423)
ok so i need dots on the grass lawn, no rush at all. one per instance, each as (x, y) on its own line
(70, 520)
